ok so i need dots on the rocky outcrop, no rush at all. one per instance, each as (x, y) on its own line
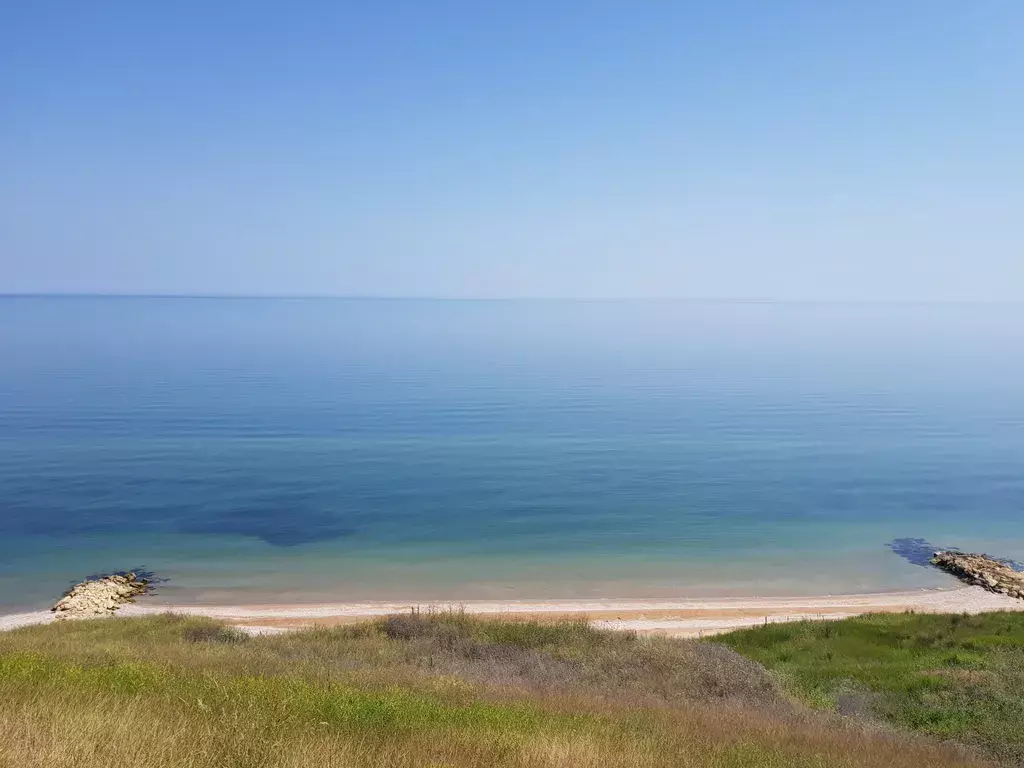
(983, 571)
(100, 597)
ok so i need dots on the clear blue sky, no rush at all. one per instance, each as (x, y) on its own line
(795, 149)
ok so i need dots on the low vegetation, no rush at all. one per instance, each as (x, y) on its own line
(413, 690)
(953, 677)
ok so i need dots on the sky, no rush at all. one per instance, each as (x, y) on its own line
(787, 150)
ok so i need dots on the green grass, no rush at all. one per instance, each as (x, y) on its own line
(283, 701)
(410, 691)
(951, 676)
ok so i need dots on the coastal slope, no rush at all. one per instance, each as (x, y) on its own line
(417, 690)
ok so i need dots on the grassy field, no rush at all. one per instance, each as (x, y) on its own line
(415, 690)
(951, 676)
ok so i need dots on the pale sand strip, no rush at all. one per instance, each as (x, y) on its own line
(682, 617)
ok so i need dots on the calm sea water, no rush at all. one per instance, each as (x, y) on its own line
(259, 450)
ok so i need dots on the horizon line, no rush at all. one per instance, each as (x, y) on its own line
(429, 298)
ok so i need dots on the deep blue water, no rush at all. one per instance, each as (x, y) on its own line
(329, 449)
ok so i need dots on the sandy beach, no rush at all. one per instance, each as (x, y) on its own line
(684, 617)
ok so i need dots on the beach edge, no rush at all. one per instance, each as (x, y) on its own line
(682, 617)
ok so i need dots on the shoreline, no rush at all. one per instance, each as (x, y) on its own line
(682, 617)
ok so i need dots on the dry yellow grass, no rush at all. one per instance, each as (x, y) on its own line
(411, 691)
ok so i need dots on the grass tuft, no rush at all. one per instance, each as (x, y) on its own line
(213, 634)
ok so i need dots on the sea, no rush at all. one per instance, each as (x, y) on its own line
(272, 450)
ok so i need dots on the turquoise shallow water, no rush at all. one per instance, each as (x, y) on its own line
(261, 450)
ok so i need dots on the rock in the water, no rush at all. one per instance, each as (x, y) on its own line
(100, 597)
(986, 572)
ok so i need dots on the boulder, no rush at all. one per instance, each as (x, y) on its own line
(987, 572)
(100, 597)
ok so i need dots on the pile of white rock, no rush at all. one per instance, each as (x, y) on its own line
(982, 570)
(100, 597)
